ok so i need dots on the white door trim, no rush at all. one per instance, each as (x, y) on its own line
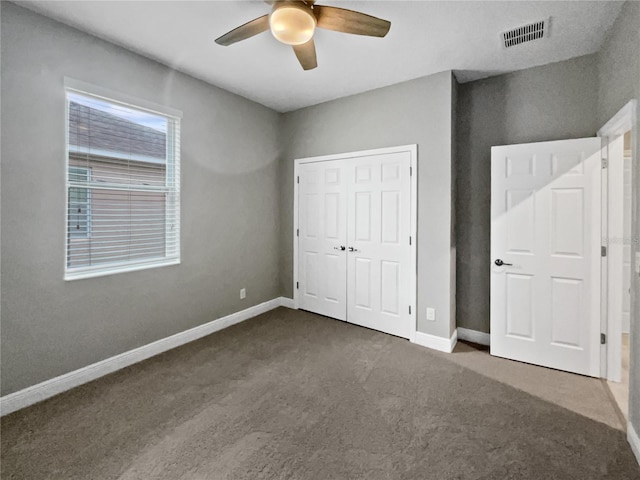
(619, 124)
(413, 151)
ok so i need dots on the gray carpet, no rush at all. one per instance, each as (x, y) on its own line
(292, 395)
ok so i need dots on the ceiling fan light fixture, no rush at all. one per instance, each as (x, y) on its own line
(292, 23)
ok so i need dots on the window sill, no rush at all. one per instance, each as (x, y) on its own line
(104, 271)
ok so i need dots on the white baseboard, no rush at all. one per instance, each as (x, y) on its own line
(49, 388)
(634, 440)
(437, 343)
(287, 302)
(474, 336)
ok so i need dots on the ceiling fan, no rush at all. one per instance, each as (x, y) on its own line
(293, 22)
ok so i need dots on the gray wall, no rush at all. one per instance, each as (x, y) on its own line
(552, 102)
(229, 207)
(619, 82)
(419, 111)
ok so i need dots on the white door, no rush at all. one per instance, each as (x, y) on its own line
(545, 229)
(322, 222)
(354, 252)
(379, 223)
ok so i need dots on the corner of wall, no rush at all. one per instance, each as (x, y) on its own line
(453, 280)
(283, 201)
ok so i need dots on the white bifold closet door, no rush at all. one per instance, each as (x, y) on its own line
(354, 251)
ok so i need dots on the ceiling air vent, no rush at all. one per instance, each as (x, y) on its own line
(526, 33)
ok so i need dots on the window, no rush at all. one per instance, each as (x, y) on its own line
(123, 186)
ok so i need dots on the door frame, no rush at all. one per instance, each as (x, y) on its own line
(413, 271)
(611, 352)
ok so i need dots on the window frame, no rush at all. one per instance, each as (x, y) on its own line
(174, 118)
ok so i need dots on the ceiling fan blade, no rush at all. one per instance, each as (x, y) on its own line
(348, 21)
(249, 29)
(306, 54)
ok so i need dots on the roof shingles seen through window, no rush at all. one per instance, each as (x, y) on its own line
(91, 128)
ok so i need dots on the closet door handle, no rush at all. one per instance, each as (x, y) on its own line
(351, 249)
(341, 248)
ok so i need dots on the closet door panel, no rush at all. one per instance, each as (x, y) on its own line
(378, 229)
(322, 231)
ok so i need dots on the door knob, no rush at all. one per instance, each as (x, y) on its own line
(351, 249)
(500, 263)
(341, 247)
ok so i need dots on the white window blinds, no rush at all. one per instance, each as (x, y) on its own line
(123, 187)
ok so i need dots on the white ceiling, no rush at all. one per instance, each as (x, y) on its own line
(426, 37)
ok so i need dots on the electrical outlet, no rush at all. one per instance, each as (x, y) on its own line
(638, 262)
(243, 293)
(431, 313)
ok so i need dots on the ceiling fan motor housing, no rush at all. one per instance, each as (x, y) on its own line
(292, 23)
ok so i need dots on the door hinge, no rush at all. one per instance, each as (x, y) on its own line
(409, 309)
(603, 251)
(298, 180)
(409, 240)
(297, 285)
(297, 232)
(605, 163)
(603, 339)
(410, 171)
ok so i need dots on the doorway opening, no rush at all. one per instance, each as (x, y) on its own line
(621, 183)
(619, 251)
